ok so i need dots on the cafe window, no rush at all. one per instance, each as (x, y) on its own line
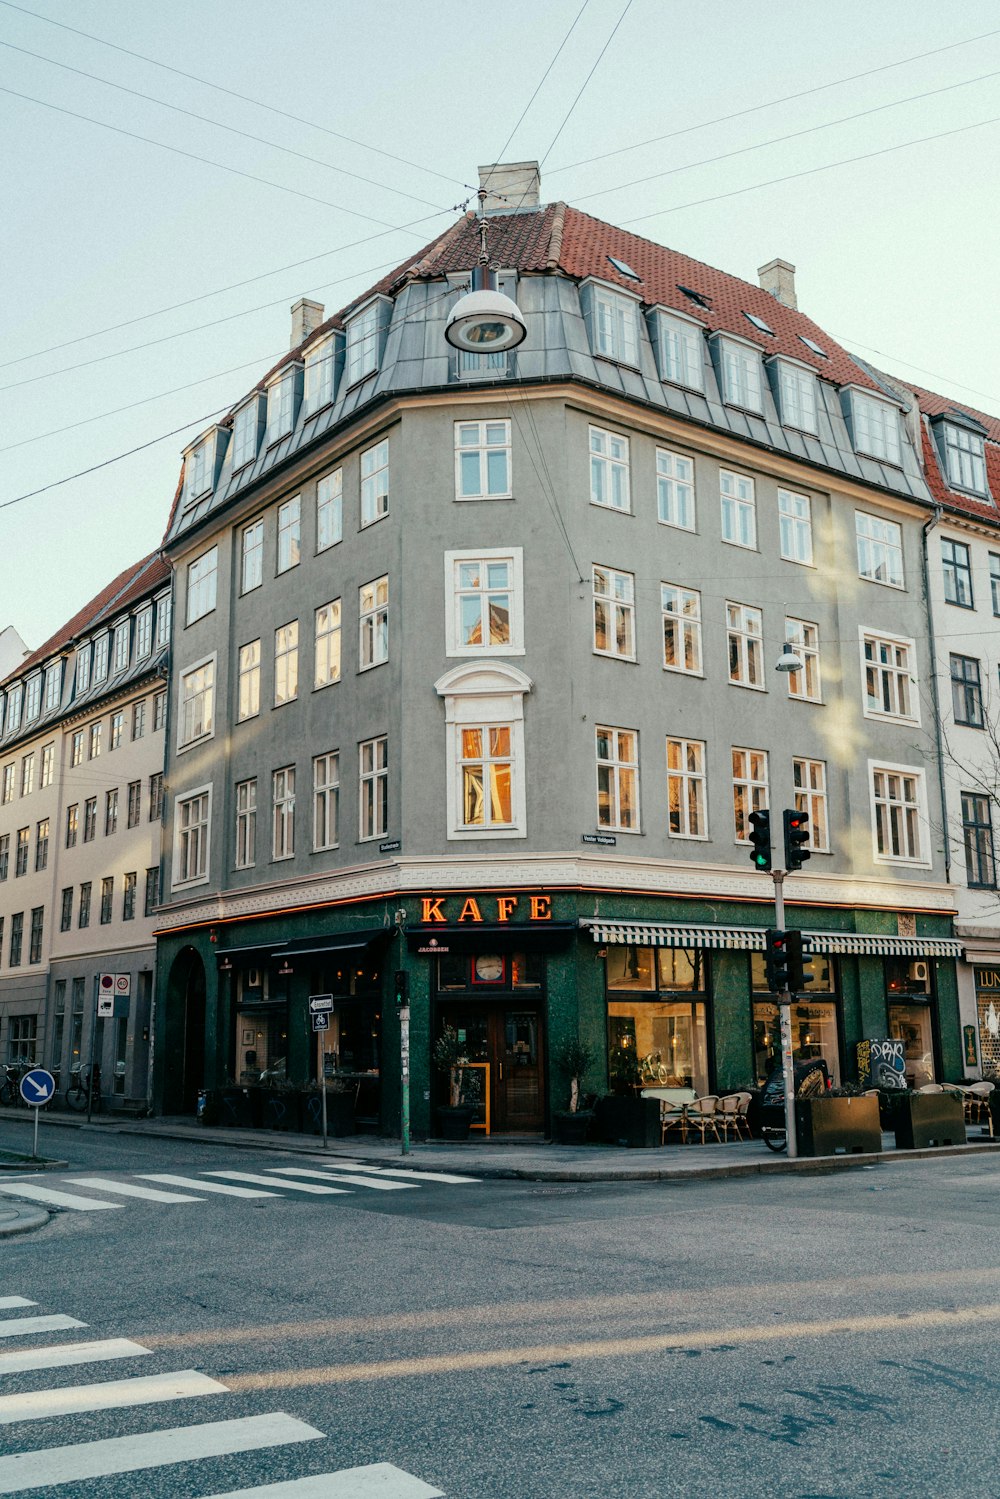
(482, 972)
(815, 1030)
(655, 1038)
(909, 990)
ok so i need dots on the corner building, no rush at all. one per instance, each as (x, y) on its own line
(473, 677)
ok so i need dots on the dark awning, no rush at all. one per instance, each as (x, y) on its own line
(333, 943)
(484, 936)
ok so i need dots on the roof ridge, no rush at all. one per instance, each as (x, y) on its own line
(555, 238)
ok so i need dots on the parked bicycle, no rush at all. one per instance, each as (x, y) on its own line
(811, 1077)
(85, 1087)
(10, 1083)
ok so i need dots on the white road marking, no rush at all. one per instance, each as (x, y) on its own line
(47, 1466)
(354, 1181)
(203, 1186)
(57, 1199)
(17, 1327)
(111, 1394)
(269, 1181)
(7, 1303)
(58, 1357)
(150, 1194)
(417, 1176)
(375, 1481)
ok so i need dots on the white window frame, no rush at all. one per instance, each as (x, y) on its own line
(283, 814)
(362, 357)
(83, 667)
(455, 592)
(876, 548)
(47, 766)
(373, 623)
(890, 675)
(33, 697)
(373, 788)
(320, 370)
(281, 405)
(326, 801)
(738, 501)
(620, 770)
(246, 823)
(374, 493)
(330, 510)
(876, 428)
(614, 604)
(28, 773)
(478, 694)
(682, 355)
(965, 459)
(252, 556)
(120, 647)
(798, 396)
(183, 841)
(675, 492)
(918, 805)
(616, 325)
(683, 623)
(53, 685)
(286, 663)
(751, 789)
(143, 632)
(802, 636)
(188, 701)
(327, 644)
(482, 439)
(202, 585)
(102, 646)
(687, 789)
(289, 534)
(248, 680)
(609, 470)
(810, 796)
(795, 527)
(164, 612)
(480, 764)
(742, 382)
(199, 465)
(745, 628)
(245, 436)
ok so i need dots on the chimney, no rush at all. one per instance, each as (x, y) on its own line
(778, 277)
(511, 185)
(306, 318)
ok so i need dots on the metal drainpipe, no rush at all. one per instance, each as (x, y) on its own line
(935, 696)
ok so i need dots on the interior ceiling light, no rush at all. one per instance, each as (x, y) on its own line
(485, 321)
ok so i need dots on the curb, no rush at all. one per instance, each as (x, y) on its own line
(22, 1220)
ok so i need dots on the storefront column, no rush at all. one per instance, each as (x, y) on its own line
(732, 1022)
(949, 1022)
(872, 998)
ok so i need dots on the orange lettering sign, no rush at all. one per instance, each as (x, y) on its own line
(541, 908)
(470, 911)
(505, 905)
(432, 908)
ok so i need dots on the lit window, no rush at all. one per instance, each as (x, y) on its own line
(21, 852)
(289, 534)
(201, 585)
(965, 459)
(809, 780)
(72, 824)
(741, 376)
(284, 813)
(192, 823)
(803, 638)
(319, 377)
(486, 769)
(618, 779)
(197, 698)
(326, 801)
(484, 719)
(797, 397)
(876, 428)
(245, 435)
(739, 509)
(795, 526)
(362, 343)
(373, 788)
(897, 796)
(966, 691)
(330, 510)
(327, 654)
(615, 331)
(880, 549)
(744, 633)
(482, 460)
(681, 628)
(686, 816)
(373, 623)
(246, 823)
(252, 556)
(749, 789)
(675, 490)
(681, 352)
(890, 680)
(248, 683)
(286, 663)
(375, 482)
(957, 571)
(609, 471)
(281, 407)
(614, 613)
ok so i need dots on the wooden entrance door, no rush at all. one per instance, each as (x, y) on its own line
(509, 1037)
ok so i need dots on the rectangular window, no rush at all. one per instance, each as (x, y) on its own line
(966, 691)
(280, 406)
(197, 705)
(615, 331)
(741, 377)
(152, 899)
(744, 633)
(90, 819)
(8, 782)
(35, 935)
(681, 628)
(41, 845)
(121, 645)
(48, 756)
(618, 779)
(675, 490)
(246, 823)
(749, 789)
(797, 396)
(284, 813)
(326, 801)
(117, 729)
(739, 509)
(876, 428)
(22, 1038)
(286, 663)
(193, 837)
(290, 534)
(53, 686)
(362, 344)
(890, 680)
(16, 938)
(248, 682)
(134, 803)
(681, 353)
(27, 775)
(96, 740)
(252, 557)
(4, 855)
(686, 815)
(795, 526)
(373, 615)
(33, 699)
(809, 780)
(128, 898)
(107, 899)
(327, 652)
(144, 633)
(66, 913)
(977, 833)
(486, 771)
(139, 719)
(21, 856)
(609, 470)
(110, 812)
(72, 824)
(163, 615)
(83, 668)
(482, 460)
(957, 571)
(83, 918)
(375, 482)
(614, 613)
(198, 469)
(202, 577)
(156, 796)
(373, 810)
(76, 750)
(245, 425)
(896, 795)
(330, 510)
(803, 638)
(880, 549)
(320, 364)
(965, 460)
(159, 711)
(995, 581)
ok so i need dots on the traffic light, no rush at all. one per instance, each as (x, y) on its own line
(776, 961)
(760, 840)
(401, 987)
(798, 978)
(796, 837)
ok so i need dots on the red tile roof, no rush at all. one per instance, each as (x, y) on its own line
(931, 404)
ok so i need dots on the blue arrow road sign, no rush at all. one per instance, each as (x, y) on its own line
(37, 1087)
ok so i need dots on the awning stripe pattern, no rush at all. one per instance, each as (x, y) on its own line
(751, 939)
(885, 947)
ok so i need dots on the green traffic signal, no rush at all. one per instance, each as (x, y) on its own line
(760, 840)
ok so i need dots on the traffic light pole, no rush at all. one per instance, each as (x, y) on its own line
(785, 1016)
(404, 1077)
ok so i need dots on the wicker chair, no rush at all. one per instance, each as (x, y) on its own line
(703, 1115)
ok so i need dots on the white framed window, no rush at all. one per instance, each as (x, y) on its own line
(197, 703)
(83, 667)
(482, 460)
(880, 549)
(96, 739)
(198, 466)
(48, 764)
(326, 801)
(202, 576)
(681, 352)
(876, 428)
(485, 607)
(739, 509)
(33, 698)
(375, 483)
(484, 716)
(121, 645)
(117, 729)
(290, 533)
(681, 628)
(797, 396)
(248, 681)
(803, 637)
(139, 719)
(795, 526)
(888, 664)
(809, 780)
(75, 753)
(616, 333)
(245, 433)
(898, 813)
(252, 556)
(617, 779)
(144, 632)
(965, 458)
(686, 789)
(362, 343)
(373, 623)
(8, 781)
(283, 827)
(330, 510)
(320, 364)
(741, 382)
(100, 671)
(745, 639)
(246, 823)
(28, 774)
(614, 613)
(373, 788)
(192, 821)
(486, 769)
(286, 663)
(326, 664)
(164, 612)
(609, 470)
(53, 685)
(281, 406)
(674, 490)
(750, 792)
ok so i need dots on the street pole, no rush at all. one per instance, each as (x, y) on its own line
(34, 1146)
(404, 1077)
(93, 1043)
(321, 1038)
(784, 1000)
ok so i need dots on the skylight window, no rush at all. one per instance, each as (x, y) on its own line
(695, 296)
(759, 323)
(811, 344)
(623, 269)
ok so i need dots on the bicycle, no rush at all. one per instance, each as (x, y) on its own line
(86, 1089)
(10, 1087)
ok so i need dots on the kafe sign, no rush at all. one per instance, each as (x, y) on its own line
(476, 909)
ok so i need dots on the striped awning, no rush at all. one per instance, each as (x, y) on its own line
(885, 947)
(751, 939)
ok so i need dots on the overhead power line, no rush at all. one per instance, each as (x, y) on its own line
(597, 61)
(538, 86)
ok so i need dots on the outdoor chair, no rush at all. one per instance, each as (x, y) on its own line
(930, 1088)
(703, 1116)
(976, 1104)
(731, 1115)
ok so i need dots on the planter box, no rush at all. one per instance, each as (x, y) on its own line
(234, 1108)
(825, 1126)
(627, 1121)
(923, 1119)
(454, 1124)
(282, 1111)
(572, 1129)
(339, 1113)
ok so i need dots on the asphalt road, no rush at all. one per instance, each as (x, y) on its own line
(809, 1337)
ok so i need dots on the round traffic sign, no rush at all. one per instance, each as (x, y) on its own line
(37, 1087)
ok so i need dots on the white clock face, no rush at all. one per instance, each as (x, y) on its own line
(489, 968)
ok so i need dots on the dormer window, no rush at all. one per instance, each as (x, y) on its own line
(281, 406)
(965, 458)
(246, 433)
(198, 468)
(144, 632)
(796, 396)
(101, 658)
(120, 651)
(83, 667)
(14, 695)
(741, 375)
(362, 343)
(53, 685)
(163, 620)
(33, 698)
(320, 372)
(614, 324)
(681, 351)
(876, 428)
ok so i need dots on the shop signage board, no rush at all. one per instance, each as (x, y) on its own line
(320, 1004)
(969, 1038)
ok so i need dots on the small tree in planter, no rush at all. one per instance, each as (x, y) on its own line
(570, 1126)
(449, 1056)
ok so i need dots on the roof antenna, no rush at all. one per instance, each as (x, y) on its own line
(485, 321)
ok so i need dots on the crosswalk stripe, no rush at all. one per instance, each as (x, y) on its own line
(354, 1181)
(128, 1189)
(269, 1181)
(375, 1481)
(7, 1303)
(18, 1327)
(203, 1186)
(22, 1471)
(57, 1199)
(111, 1394)
(417, 1176)
(57, 1357)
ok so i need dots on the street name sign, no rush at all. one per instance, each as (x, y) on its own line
(37, 1087)
(320, 1004)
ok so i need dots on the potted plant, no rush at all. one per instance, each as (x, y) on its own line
(570, 1126)
(844, 1119)
(455, 1117)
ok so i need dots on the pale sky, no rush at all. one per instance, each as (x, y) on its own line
(895, 254)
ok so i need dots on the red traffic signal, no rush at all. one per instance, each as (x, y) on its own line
(796, 837)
